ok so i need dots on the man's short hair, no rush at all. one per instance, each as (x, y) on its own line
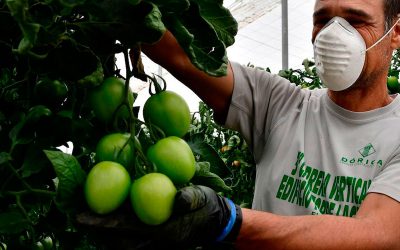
(392, 9)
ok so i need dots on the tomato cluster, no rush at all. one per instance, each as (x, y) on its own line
(112, 179)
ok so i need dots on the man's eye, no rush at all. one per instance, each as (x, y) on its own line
(356, 22)
(321, 22)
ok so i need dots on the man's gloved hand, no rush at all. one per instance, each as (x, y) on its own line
(200, 217)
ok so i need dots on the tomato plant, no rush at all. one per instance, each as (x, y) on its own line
(173, 157)
(106, 187)
(152, 198)
(224, 149)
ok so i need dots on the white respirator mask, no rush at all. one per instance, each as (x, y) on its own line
(339, 54)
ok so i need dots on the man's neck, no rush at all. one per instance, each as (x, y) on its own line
(362, 99)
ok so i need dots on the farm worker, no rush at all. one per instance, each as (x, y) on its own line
(328, 160)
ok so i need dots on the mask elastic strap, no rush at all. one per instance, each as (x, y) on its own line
(383, 37)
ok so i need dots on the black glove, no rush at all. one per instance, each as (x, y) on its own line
(201, 217)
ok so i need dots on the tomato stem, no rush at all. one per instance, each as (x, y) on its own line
(26, 215)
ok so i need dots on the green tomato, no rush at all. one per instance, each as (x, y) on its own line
(114, 147)
(168, 111)
(107, 97)
(173, 157)
(152, 198)
(3, 246)
(393, 83)
(38, 246)
(50, 92)
(106, 187)
(47, 242)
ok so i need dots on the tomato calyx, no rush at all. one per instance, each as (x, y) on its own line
(156, 84)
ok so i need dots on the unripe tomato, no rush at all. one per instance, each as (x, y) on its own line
(168, 111)
(38, 246)
(152, 198)
(174, 158)
(3, 246)
(114, 147)
(50, 92)
(393, 84)
(106, 187)
(107, 97)
(47, 243)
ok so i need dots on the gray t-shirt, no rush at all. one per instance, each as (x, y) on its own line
(312, 156)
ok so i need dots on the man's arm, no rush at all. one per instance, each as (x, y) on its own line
(376, 226)
(215, 91)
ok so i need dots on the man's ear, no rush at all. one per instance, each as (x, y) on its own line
(395, 42)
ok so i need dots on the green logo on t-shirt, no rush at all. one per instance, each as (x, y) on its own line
(364, 159)
(367, 150)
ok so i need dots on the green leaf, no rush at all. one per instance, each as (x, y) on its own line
(220, 18)
(71, 179)
(13, 222)
(4, 157)
(14, 132)
(207, 54)
(34, 161)
(95, 78)
(207, 153)
(33, 116)
(19, 9)
(204, 37)
(204, 177)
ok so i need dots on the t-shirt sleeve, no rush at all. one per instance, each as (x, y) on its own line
(259, 100)
(388, 180)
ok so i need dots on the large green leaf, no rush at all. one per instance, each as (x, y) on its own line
(71, 178)
(220, 18)
(200, 37)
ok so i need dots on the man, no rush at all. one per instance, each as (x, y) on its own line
(328, 161)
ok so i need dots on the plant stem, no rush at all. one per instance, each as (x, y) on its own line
(15, 172)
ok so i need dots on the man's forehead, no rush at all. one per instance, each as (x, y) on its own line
(357, 7)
